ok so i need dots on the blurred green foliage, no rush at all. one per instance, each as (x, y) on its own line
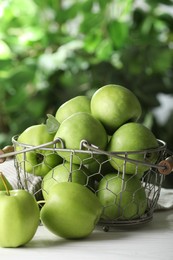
(53, 50)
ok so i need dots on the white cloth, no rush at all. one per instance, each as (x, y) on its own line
(20, 180)
(165, 201)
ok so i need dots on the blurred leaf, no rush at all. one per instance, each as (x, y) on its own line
(22, 75)
(68, 13)
(162, 61)
(51, 51)
(5, 52)
(92, 41)
(17, 100)
(89, 20)
(5, 65)
(104, 50)
(103, 3)
(156, 2)
(35, 107)
(118, 32)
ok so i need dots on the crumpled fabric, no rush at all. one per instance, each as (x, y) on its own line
(165, 201)
(20, 180)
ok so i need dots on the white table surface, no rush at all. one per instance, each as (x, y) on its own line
(149, 241)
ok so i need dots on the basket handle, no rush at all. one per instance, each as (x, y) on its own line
(167, 166)
(9, 150)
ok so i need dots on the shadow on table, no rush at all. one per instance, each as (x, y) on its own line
(162, 220)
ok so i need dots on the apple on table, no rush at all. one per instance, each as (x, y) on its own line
(71, 210)
(19, 217)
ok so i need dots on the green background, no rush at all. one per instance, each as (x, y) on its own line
(51, 51)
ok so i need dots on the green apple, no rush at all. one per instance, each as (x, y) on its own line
(63, 173)
(39, 161)
(132, 137)
(123, 197)
(115, 105)
(72, 106)
(71, 210)
(99, 167)
(7, 183)
(80, 126)
(19, 218)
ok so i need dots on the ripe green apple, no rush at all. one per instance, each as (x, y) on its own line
(99, 167)
(80, 126)
(39, 161)
(63, 173)
(19, 218)
(133, 137)
(71, 210)
(72, 106)
(123, 197)
(115, 105)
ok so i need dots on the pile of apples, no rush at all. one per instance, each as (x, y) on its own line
(79, 188)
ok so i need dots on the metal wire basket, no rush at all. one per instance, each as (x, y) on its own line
(99, 163)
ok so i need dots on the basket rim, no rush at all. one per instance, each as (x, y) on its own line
(90, 147)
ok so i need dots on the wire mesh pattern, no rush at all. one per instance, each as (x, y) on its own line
(127, 199)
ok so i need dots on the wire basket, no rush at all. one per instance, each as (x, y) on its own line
(94, 165)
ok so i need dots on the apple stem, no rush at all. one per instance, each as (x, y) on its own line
(4, 182)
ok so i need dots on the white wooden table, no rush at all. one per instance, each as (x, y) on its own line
(153, 240)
